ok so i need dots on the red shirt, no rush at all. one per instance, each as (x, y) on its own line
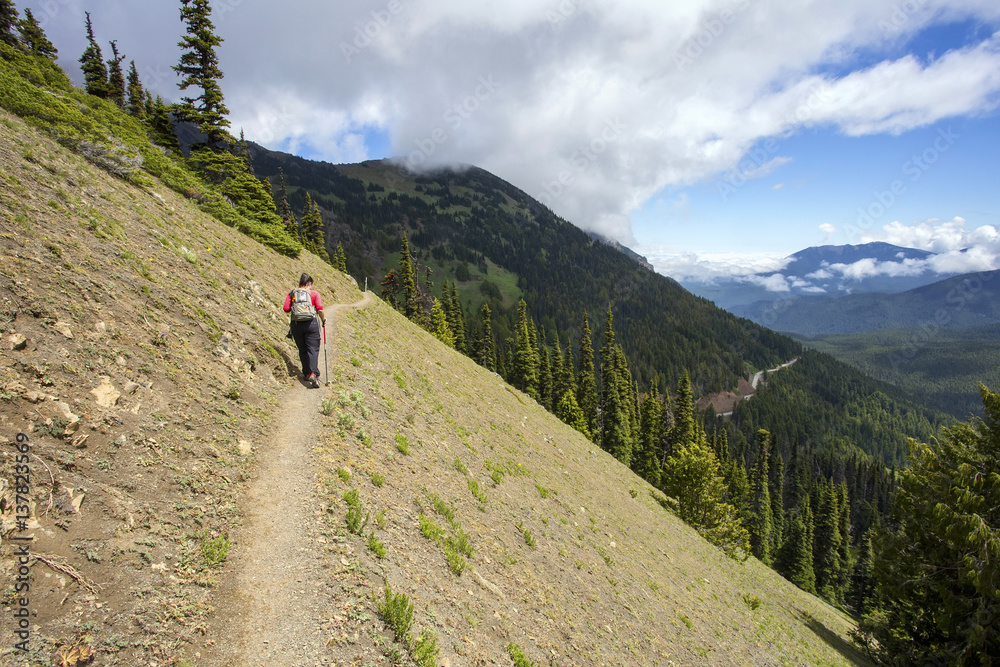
(316, 302)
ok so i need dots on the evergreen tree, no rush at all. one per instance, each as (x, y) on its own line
(568, 410)
(762, 524)
(846, 566)
(735, 475)
(826, 542)
(243, 151)
(586, 382)
(163, 127)
(616, 427)
(95, 72)
(136, 94)
(683, 416)
(32, 34)
(646, 461)
(487, 349)
(340, 259)
(8, 21)
(795, 559)
(199, 68)
(559, 384)
(317, 232)
(862, 578)
(411, 298)
(284, 210)
(776, 489)
(308, 222)
(525, 371)
(439, 324)
(544, 373)
(116, 77)
(938, 572)
(456, 319)
(569, 376)
(692, 476)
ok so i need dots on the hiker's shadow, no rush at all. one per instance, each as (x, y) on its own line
(845, 648)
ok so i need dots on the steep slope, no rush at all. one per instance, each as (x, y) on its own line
(160, 330)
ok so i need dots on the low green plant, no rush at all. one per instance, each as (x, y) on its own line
(214, 549)
(380, 520)
(344, 475)
(752, 601)
(460, 541)
(425, 649)
(442, 508)
(378, 479)
(429, 529)
(497, 477)
(345, 421)
(460, 467)
(328, 407)
(396, 611)
(542, 491)
(474, 488)
(517, 655)
(686, 621)
(355, 361)
(455, 560)
(375, 545)
(402, 444)
(529, 539)
(352, 498)
(399, 380)
(355, 523)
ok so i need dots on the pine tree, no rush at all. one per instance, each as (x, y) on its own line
(846, 566)
(558, 365)
(199, 68)
(307, 224)
(340, 259)
(795, 559)
(525, 372)
(116, 77)
(95, 72)
(544, 373)
(8, 22)
(692, 476)
(32, 34)
(456, 318)
(411, 298)
(163, 127)
(683, 416)
(136, 94)
(762, 524)
(646, 461)
(568, 410)
(938, 571)
(586, 382)
(284, 210)
(569, 376)
(862, 578)
(826, 542)
(616, 426)
(487, 349)
(317, 232)
(776, 489)
(390, 288)
(439, 324)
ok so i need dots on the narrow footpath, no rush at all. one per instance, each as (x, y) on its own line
(272, 602)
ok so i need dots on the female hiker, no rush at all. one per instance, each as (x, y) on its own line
(304, 305)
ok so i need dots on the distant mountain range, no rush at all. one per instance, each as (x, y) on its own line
(824, 271)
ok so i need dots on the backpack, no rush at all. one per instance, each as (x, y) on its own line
(302, 307)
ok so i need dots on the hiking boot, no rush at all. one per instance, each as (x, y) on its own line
(314, 381)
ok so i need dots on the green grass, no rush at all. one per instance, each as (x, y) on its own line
(402, 444)
(517, 655)
(375, 545)
(214, 550)
(396, 611)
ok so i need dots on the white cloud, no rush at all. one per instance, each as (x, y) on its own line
(588, 106)
(958, 250)
(711, 267)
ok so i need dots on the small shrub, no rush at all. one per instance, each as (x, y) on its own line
(344, 475)
(460, 467)
(460, 542)
(497, 477)
(355, 523)
(474, 488)
(233, 393)
(345, 422)
(455, 560)
(352, 498)
(375, 545)
(542, 491)
(214, 550)
(529, 539)
(328, 407)
(380, 520)
(425, 649)
(686, 621)
(751, 601)
(396, 611)
(355, 361)
(402, 444)
(517, 655)
(442, 508)
(399, 380)
(429, 529)
(377, 479)
(633, 493)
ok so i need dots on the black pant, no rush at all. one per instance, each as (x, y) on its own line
(306, 335)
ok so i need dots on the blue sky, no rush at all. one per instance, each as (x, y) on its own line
(628, 117)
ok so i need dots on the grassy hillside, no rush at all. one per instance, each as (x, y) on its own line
(153, 363)
(939, 367)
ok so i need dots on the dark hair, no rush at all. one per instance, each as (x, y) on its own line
(305, 279)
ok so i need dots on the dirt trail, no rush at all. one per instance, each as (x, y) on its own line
(272, 602)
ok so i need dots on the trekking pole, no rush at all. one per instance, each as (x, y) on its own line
(326, 364)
